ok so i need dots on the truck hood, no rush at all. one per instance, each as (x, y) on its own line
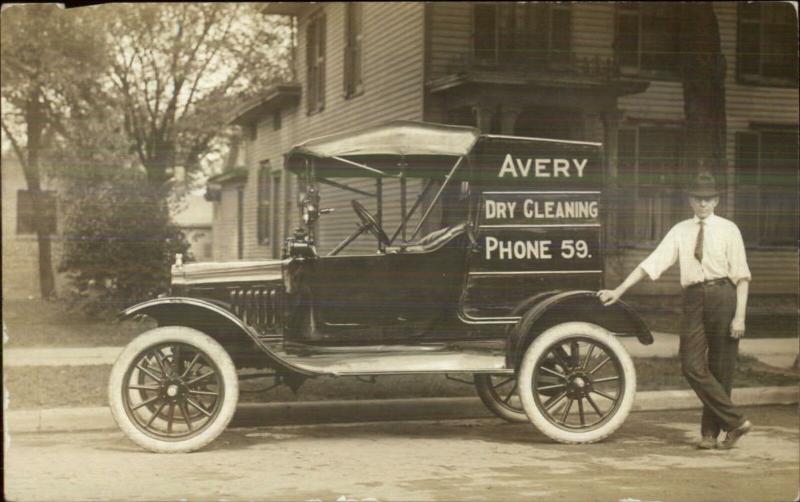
(227, 271)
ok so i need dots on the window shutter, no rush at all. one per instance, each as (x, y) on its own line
(748, 43)
(263, 214)
(626, 39)
(321, 62)
(484, 38)
(747, 165)
(747, 198)
(561, 33)
(311, 64)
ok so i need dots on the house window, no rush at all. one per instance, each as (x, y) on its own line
(522, 32)
(26, 211)
(264, 202)
(275, 223)
(767, 43)
(766, 186)
(651, 199)
(240, 222)
(315, 62)
(288, 204)
(647, 37)
(353, 49)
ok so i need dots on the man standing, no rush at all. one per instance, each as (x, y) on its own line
(715, 280)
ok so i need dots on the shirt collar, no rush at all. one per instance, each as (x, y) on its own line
(708, 220)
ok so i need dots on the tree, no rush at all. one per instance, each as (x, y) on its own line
(118, 245)
(180, 67)
(703, 74)
(51, 61)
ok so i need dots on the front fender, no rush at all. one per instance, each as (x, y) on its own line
(212, 318)
(583, 306)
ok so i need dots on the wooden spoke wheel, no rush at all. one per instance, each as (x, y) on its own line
(577, 383)
(173, 389)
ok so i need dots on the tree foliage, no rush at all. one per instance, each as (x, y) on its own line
(116, 96)
(51, 64)
(118, 243)
(179, 68)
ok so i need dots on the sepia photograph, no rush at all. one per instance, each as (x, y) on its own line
(400, 251)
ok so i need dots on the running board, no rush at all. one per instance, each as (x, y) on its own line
(384, 360)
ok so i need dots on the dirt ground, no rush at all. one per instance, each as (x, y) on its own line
(651, 458)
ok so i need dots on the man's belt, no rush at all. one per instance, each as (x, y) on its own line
(713, 282)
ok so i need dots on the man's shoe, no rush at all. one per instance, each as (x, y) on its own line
(735, 434)
(707, 443)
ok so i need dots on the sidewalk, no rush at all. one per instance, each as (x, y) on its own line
(369, 410)
(778, 352)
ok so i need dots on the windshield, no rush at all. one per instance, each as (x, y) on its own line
(391, 200)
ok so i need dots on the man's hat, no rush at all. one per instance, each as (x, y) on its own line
(703, 185)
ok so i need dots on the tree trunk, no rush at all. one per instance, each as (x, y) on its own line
(703, 72)
(35, 120)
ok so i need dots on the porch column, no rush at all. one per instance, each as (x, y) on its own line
(483, 116)
(509, 119)
(608, 135)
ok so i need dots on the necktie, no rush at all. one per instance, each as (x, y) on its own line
(698, 247)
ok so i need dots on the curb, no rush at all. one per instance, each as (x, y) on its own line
(324, 412)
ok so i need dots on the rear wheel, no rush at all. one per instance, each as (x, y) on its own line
(577, 383)
(499, 394)
(173, 389)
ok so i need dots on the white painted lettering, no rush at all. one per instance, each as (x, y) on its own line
(491, 245)
(528, 208)
(541, 165)
(505, 250)
(508, 167)
(560, 166)
(524, 169)
(580, 166)
(544, 250)
(491, 209)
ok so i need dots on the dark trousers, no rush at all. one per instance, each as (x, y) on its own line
(708, 353)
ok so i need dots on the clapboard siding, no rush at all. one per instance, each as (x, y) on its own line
(450, 35)
(394, 65)
(393, 55)
(773, 271)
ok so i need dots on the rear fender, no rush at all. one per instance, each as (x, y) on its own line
(582, 306)
(214, 319)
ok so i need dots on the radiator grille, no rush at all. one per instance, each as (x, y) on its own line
(259, 307)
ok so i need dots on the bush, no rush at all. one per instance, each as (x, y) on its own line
(119, 243)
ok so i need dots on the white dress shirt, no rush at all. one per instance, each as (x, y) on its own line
(723, 252)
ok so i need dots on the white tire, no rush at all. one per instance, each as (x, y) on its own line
(499, 394)
(563, 366)
(173, 390)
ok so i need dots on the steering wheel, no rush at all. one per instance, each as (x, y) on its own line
(369, 222)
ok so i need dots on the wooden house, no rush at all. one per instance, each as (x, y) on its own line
(586, 71)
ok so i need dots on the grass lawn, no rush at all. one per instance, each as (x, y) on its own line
(42, 387)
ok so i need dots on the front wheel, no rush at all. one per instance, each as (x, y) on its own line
(173, 389)
(577, 383)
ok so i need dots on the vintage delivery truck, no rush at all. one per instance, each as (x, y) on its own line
(492, 273)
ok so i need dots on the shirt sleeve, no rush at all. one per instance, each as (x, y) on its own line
(663, 257)
(737, 260)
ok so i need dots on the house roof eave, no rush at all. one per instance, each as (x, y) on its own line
(274, 97)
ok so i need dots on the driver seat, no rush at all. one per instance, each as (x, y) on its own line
(430, 242)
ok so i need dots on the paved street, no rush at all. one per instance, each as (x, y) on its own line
(650, 459)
